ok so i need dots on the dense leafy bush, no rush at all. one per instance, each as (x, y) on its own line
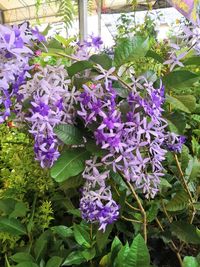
(99, 155)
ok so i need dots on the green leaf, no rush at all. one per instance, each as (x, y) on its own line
(122, 256)
(150, 75)
(120, 90)
(104, 60)
(70, 163)
(7, 205)
(180, 78)
(68, 134)
(22, 256)
(115, 248)
(75, 258)
(63, 231)
(188, 100)
(193, 169)
(102, 237)
(19, 210)
(176, 122)
(190, 261)
(41, 245)
(185, 232)
(178, 202)
(155, 56)
(54, 262)
(89, 254)
(12, 226)
(79, 67)
(152, 212)
(192, 61)
(177, 104)
(138, 255)
(128, 49)
(27, 264)
(81, 236)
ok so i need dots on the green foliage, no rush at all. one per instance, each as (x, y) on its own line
(69, 164)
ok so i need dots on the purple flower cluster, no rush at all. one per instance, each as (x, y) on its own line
(96, 203)
(51, 104)
(192, 35)
(191, 40)
(135, 139)
(87, 48)
(14, 63)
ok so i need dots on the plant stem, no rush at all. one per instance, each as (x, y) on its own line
(130, 220)
(165, 212)
(140, 207)
(126, 202)
(185, 187)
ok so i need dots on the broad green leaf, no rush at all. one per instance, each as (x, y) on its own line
(155, 56)
(68, 134)
(192, 61)
(7, 205)
(12, 226)
(165, 183)
(120, 90)
(152, 212)
(104, 60)
(19, 210)
(115, 248)
(54, 262)
(63, 231)
(79, 67)
(102, 237)
(89, 254)
(21, 257)
(138, 255)
(178, 202)
(176, 122)
(190, 261)
(177, 104)
(188, 100)
(184, 157)
(180, 78)
(27, 264)
(75, 258)
(70, 163)
(122, 256)
(193, 169)
(128, 49)
(150, 75)
(185, 232)
(105, 260)
(62, 40)
(82, 237)
(41, 245)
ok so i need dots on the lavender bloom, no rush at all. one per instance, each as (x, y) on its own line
(135, 142)
(96, 204)
(15, 53)
(52, 103)
(89, 47)
(174, 142)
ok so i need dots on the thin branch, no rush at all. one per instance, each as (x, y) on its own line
(185, 186)
(140, 207)
(130, 220)
(126, 202)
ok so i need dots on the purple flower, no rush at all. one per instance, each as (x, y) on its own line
(96, 204)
